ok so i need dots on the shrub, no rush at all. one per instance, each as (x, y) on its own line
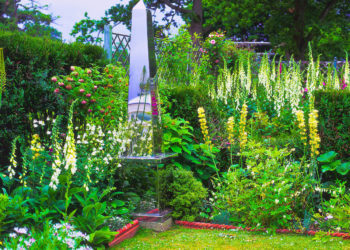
(181, 192)
(30, 62)
(270, 192)
(334, 118)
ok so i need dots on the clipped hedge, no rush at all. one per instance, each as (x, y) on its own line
(334, 119)
(28, 55)
(30, 63)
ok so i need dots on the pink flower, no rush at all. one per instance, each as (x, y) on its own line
(61, 84)
(201, 50)
(89, 71)
(95, 87)
(88, 95)
(82, 90)
(72, 68)
(212, 42)
(83, 102)
(102, 110)
(210, 35)
(217, 61)
(54, 79)
(305, 90)
(81, 80)
(89, 110)
(57, 91)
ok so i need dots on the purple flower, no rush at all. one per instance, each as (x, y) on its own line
(324, 84)
(305, 90)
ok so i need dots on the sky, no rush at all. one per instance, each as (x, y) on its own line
(72, 11)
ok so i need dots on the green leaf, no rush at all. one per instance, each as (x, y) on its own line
(117, 203)
(327, 157)
(122, 210)
(176, 149)
(331, 167)
(344, 168)
(177, 164)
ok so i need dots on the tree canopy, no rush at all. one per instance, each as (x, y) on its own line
(189, 10)
(289, 25)
(30, 18)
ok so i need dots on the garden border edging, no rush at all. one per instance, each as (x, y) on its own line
(128, 231)
(202, 225)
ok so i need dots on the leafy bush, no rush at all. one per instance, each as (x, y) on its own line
(179, 62)
(180, 191)
(101, 94)
(221, 50)
(30, 62)
(270, 192)
(334, 113)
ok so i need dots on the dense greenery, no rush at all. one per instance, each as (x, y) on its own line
(251, 134)
(29, 17)
(181, 192)
(289, 26)
(334, 107)
(30, 63)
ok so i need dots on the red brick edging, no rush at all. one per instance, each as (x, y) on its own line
(201, 225)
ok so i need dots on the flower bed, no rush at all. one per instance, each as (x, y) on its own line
(200, 225)
(125, 233)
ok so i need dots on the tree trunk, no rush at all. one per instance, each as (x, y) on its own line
(197, 21)
(299, 25)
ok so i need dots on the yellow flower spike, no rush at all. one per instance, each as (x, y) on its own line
(301, 125)
(230, 128)
(314, 137)
(204, 127)
(243, 135)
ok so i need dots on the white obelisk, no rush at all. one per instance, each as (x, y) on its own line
(139, 60)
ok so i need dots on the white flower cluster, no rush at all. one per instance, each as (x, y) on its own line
(65, 233)
(70, 151)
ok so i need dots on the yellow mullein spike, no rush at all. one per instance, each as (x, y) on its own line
(242, 127)
(301, 125)
(2, 73)
(314, 137)
(203, 124)
(230, 128)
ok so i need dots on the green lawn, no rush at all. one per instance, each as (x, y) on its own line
(183, 238)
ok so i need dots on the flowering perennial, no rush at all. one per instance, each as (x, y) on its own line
(230, 128)
(314, 137)
(204, 126)
(301, 125)
(242, 127)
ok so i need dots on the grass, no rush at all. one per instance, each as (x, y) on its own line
(184, 238)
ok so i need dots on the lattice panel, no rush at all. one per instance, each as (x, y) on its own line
(121, 44)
